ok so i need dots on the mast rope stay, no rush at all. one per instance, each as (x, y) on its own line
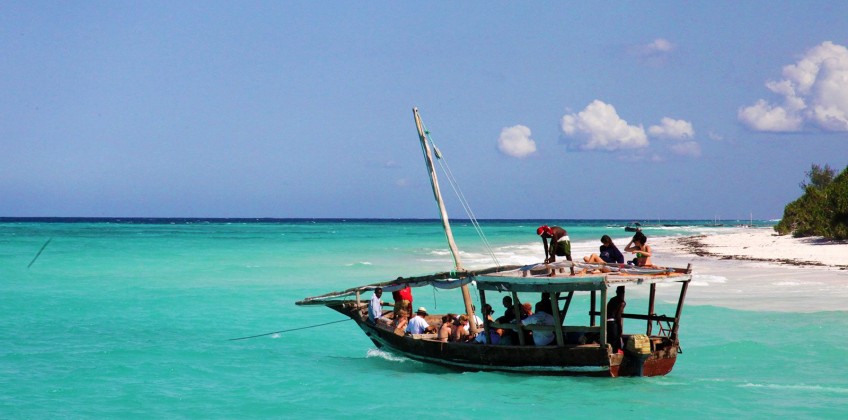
(462, 200)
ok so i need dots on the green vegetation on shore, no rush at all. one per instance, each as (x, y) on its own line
(822, 210)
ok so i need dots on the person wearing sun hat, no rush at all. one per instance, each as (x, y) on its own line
(560, 244)
(419, 325)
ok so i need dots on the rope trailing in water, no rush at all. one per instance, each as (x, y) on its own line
(39, 253)
(292, 329)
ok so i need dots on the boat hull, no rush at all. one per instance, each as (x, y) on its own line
(569, 360)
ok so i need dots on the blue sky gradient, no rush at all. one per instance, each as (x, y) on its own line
(630, 110)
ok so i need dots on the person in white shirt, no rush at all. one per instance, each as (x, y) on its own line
(540, 338)
(375, 306)
(419, 325)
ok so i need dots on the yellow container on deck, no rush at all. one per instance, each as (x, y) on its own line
(639, 344)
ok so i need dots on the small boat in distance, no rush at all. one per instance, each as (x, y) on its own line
(579, 345)
(633, 227)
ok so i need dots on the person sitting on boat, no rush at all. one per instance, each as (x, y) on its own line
(615, 319)
(476, 318)
(419, 325)
(446, 330)
(560, 244)
(540, 337)
(375, 306)
(460, 330)
(609, 253)
(494, 333)
(545, 303)
(639, 246)
(526, 310)
(509, 312)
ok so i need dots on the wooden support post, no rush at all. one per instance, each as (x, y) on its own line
(651, 300)
(677, 313)
(592, 309)
(567, 305)
(604, 315)
(515, 307)
(557, 320)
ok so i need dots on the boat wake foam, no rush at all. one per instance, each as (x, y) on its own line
(811, 388)
(385, 356)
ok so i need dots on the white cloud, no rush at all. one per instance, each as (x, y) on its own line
(655, 53)
(687, 148)
(402, 182)
(516, 142)
(657, 47)
(672, 129)
(660, 45)
(765, 117)
(814, 91)
(599, 127)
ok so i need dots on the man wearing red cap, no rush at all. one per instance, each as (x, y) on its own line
(560, 243)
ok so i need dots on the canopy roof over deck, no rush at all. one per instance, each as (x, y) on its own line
(518, 279)
(523, 279)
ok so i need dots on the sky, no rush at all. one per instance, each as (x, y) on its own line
(544, 110)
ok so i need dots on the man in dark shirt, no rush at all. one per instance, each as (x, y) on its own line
(615, 322)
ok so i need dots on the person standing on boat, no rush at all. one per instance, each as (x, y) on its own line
(375, 307)
(403, 301)
(560, 243)
(639, 246)
(615, 319)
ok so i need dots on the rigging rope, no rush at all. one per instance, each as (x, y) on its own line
(463, 201)
(292, 329)
(39, 252)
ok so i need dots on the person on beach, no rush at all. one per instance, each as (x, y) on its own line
(419, 325)
(560, 243)
(639, 246)
(375, 306)
(615, 319)
(608, 254)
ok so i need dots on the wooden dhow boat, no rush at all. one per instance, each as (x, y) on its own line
(579, 348)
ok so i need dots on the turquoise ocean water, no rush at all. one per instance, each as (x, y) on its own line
(131, 319)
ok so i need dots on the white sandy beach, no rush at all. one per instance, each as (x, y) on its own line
(755, 269)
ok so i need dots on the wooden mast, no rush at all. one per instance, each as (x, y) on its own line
(434, 182)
